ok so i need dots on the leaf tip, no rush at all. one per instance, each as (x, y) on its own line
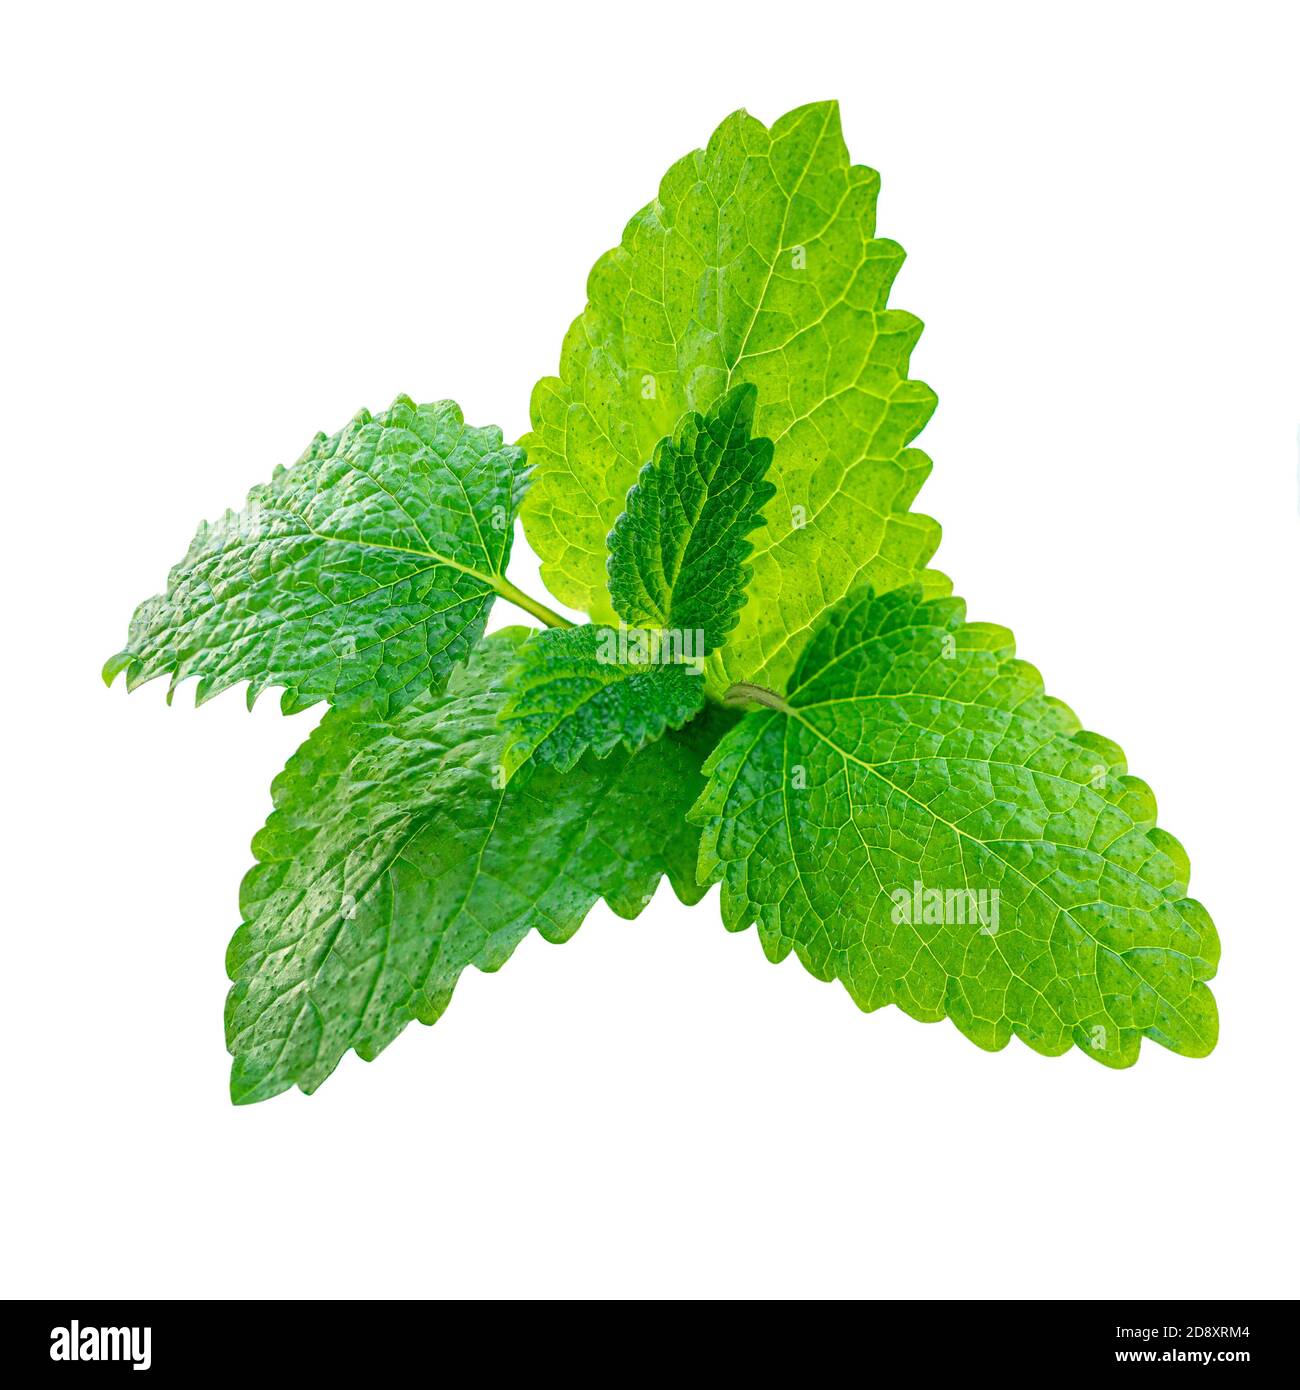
(114, 667)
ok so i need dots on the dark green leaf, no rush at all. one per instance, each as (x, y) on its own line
(394, 859)
(677, 554)
(366, 570)
(583, 689)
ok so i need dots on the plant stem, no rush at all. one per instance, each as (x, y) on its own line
(760, 694)
(515, 595)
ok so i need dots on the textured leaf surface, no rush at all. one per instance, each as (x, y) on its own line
(917, 755)
(572, 695)
(677, 554)
(365, 570)
(757, 262)
(393, 861)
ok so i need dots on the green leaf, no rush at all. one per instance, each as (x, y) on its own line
(757, 263)
(394, 860)
(914, 770)
(575, 691)
(677, 554)
(365, 570)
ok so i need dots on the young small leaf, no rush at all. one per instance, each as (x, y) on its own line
(757, 262)
(364, 570)
(394, 859)
(677, 554)
(918, 820)
(575, 691)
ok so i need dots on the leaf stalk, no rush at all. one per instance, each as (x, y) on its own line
(513, 594)
(760, 694)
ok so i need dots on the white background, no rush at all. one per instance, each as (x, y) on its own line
(227, 227)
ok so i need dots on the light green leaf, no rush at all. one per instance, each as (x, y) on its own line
(757, 262)
(364, 570)
(394, 859)
(576, 692)
(677, 554)
(918, 820)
